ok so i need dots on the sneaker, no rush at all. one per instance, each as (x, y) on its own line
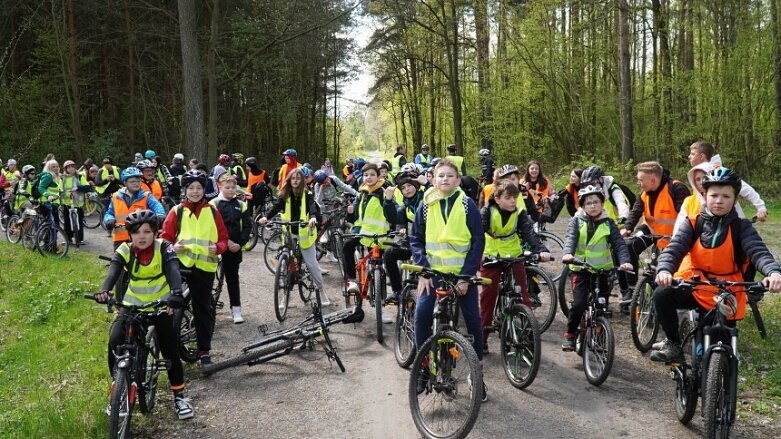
(386, 318)
(236, 314)
(569, 342)
(330, 257)
(626, 297)
(352, 288)
(323, 271)
(82, 242)
(423, 378)
(392, 299)
(658, 345)
(183, 408)
(324, 300)
(669, 353)
(206, 360)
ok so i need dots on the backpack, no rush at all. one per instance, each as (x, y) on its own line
(36, 194)
(630, 196)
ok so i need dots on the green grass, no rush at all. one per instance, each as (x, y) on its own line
(53, 375)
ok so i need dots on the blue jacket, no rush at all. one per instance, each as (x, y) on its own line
(151, 203)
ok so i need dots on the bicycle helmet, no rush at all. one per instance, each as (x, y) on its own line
(224, 159)
(291, 152)
(131, 172)
(407, 177)
(359, 163)
(722, 176)
(27, 168)
(144, 164)
(136, 219)
(307, 166)
(194, 176)
(179, 156)
(583, 193)
(591, 175)
(251, 161)
(451, 148)
(320, 176)
(410, 167)
(383, 165)
(149, 154)
(64, 165)
(506, 170)
(484, 152)
(424, 147)
(239, 157)
(306, 172)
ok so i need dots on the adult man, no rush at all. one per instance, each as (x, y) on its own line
(458, 160)
(400, 158)
(424, 158)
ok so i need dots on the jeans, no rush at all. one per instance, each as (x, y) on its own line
(470, 312)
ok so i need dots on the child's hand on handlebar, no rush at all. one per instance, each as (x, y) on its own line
(664, 279)
(103, 296)
(544, 256)
(567, 259)
(262, 221)
(626, 267)
(773, 282)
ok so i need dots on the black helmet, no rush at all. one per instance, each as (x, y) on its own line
(193, 176)
(591, 175)
(251, 161)
(722, 176)
(407, 177)
(590, 190)
(136, 219)
(451, 148)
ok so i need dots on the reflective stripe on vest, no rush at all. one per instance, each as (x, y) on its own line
(121, 211)
(371, 218)
(447, 242)
(104, 177)
(147, 282)
(505, 242)
(306, 235)
(596, 251)
(195, 235)
(662, 220)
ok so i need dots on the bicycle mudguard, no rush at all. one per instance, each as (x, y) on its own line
(356, 316)
(757, 317)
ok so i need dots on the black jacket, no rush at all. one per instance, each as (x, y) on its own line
(616, 241)
(750, 241)
(523, 227)
(295, 208)
(238, 223)
(677, 189)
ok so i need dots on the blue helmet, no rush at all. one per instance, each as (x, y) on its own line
(306, 172)
(320, 176)
(130, 173)
(150, 154)
(290, 152)
(359, 163)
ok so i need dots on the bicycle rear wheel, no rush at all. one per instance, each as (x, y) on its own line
(378, 292)
(556, 247)
(148, 372)
(52, 241)
(185, 322)
(217, 286)
(520, 346)
(598, 351)
(404, 330)
(271, 252)
(93, 213)
(716, 400)
(249, 356)
(29, 230)
(13, 231)
(282, 287)
(564, 290)
(542, 293)
(122, 400)
(642, 316)
(446, 385)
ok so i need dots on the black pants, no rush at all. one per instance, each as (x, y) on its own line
(667, 302)
(200, 283)
(348, 255)
(167, 337)
(68, 228)
(581, 286)
(635, 245)
(230, 266)
(391, 258)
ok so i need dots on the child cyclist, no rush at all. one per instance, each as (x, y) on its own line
(447, 235)
(298, 204)
(506, 229)
(719, 244)
(154, 274)
(592, 237)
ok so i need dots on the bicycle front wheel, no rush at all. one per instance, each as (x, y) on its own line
(148, 372)
(685, 381)
(184, 322)
(122, 401)
(249, 356)
(642, 316)
(282, 288)
(564, 290)
(13, 231)
(253, 237)
(404, 331)
(520, 346)
(51, 240)
(556, 247)
(219, 283)
(542, 293)
(271, 252)
(93, 213)
(716, 401)
(598, 351)
(446, 386)
(378, 285)
(29, 230)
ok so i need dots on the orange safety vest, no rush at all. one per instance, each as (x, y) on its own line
(572, 193)
(252, 179)
(155, 189)
(283, 174)
(537, 195)
(121, 211)
(662, 220)
(488, 190)
(716, 262)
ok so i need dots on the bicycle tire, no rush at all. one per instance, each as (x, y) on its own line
(542, 292)
(564, 290)
(122, 397)
(52, 244)
(555, 246)
(253, 237)
(188, 342)
(714, 401)
(686, 383)
(600, 346)
(338, 244)
(378, 286)
(93, 213)
(13, 232)
(306, 286)
(271, 251)
(29, 230)
(439, 349)
(217, 286)
(404, 329)
(519, 340)
(642, 316)
(148, 372)
(281, 287)
(247, 357)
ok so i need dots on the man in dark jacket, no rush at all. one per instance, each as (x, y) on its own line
(718, 243)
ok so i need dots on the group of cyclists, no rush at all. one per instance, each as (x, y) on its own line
(158, 214)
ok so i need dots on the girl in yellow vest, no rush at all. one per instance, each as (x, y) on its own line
(447, 235)
(154, 275)
(298, 204)
(592, 237)
(198, 235)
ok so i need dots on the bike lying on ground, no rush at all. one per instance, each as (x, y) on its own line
(137, 365)
(446, 380)
(710, 350)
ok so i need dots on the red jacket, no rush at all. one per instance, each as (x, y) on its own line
(171, 224)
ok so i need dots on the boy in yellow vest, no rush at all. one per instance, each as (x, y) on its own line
(592, 237)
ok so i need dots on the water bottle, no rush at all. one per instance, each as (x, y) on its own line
(698, 351)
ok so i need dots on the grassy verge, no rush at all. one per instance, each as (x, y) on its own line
(53, 377)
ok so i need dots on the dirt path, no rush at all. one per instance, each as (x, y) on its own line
(301, 395)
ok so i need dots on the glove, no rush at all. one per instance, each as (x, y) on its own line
(176, 301)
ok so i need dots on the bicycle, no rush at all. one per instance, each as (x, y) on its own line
(371, 275)
(290, 271)
(93, 211)
(642, 314)
(301, 337)
(51, 239)
(710, 350)
(595, 341)
(444, 364)
(519, 332)
(137, 365)
(404, 330)
(72, 214)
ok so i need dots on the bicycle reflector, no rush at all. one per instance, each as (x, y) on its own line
(728, 304)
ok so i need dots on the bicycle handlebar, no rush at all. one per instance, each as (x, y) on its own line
(373, 236)
(473, 280)
(754, 289)
(159, 303)
(532, 258)
(587, 266)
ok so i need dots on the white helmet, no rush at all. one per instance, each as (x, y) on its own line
(179, 156)
(409, 167)
(484, 152)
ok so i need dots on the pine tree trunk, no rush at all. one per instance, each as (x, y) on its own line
(194, 136)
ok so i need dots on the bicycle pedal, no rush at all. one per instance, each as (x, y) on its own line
(219, 305)
(263, 329)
